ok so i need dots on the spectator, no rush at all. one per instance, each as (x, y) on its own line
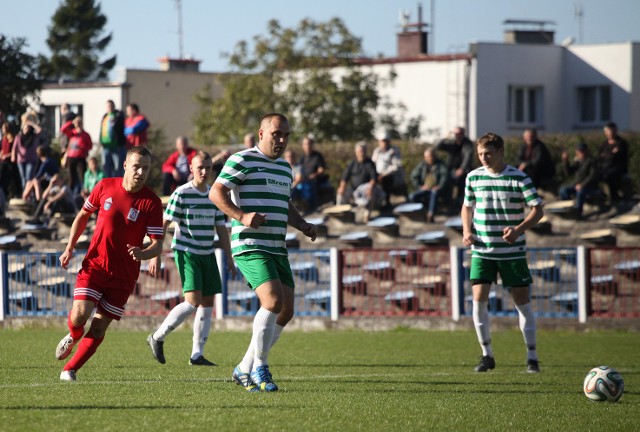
(9, 176)
(313, 175)
(249, 141)
(389, 168)
(431, 180)
(298, 195)
(584, 173)
(460, 158)
(113, 141)
(359, 182)
(614, 162)
(25, 144)
(175, 170)
(290, 156)
(217, 162)
(46, 169)
(75, 159)
(66, 115)
(535, 161)
(135, 126)
(91, 177)
(57, 197)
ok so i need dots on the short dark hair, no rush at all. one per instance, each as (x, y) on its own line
(140, 150)
(611, 125)
(202, 155)
(491, 139)
(268, 117)
(134, 107)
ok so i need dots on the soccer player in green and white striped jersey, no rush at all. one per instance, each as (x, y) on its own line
(197, 220)
(494, 222)
(254, 189)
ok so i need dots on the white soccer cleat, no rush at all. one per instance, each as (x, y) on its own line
(65, 346)
(69, 375)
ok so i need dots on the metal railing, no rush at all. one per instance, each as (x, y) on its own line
(567, 282)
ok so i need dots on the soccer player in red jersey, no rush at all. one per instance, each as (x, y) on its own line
(128, 212)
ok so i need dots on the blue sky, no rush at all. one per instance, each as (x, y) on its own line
(144, 30)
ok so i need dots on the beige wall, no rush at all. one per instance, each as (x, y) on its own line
(167, 98)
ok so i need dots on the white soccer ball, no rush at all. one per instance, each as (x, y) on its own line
(603, 383)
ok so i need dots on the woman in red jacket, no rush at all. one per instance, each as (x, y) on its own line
(77, 152)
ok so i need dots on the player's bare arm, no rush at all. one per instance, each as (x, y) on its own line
(153, 250)
(156, 263)
(298, 222)
(511, 234)
(77, 228)
(219, 194)
(225, 244)
(466, 214)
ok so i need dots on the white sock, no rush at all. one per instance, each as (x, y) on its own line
(246, 365)
(528, 327)
(277, 331)
(263, 328)
(483, 330)
(201, 328)
(176, 317)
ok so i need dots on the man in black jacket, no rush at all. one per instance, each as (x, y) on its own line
(535, 160)
(584, 181)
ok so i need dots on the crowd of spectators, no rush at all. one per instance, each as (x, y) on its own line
(31, 170)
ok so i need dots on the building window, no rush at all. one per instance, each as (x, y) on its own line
(525, 106)
(53, 118)
(594, 104)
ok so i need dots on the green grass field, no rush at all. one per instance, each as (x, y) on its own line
(402, 380)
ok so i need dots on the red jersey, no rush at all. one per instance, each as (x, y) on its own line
(124, 218)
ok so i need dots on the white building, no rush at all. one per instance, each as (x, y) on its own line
(506, 87)
(526, 81)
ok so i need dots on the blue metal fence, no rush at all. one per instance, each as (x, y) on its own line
(554, 291)
(605, 282)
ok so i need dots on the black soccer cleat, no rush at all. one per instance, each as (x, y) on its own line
(201, 361)
(533, 366)
(157, 349)
(485, 364)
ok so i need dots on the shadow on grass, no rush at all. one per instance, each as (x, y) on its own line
(190, 406)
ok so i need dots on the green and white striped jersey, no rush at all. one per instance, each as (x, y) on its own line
(499, 201)
(263, 185)
(195, 217)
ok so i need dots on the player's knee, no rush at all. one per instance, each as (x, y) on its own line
(286, 315)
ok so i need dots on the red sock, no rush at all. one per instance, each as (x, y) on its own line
(76, 332)
(86, 348)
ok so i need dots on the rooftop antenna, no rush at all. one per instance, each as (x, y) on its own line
(432, 15)
(180, 47)
(579, 15)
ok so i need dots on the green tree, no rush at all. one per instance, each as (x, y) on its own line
(18, 75)
(76, 41)
(310, 72)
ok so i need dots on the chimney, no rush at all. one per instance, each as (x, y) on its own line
(528, 32)
(412, 39)
(179, 65)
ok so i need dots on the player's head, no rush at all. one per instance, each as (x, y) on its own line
(491, 150)
(274, 135)
(137, 166)
(200, 167)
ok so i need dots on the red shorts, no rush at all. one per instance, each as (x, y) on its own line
(108, 293)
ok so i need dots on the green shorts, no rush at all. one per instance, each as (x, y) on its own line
(261, 267)
(514, 273)
(198, 273)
